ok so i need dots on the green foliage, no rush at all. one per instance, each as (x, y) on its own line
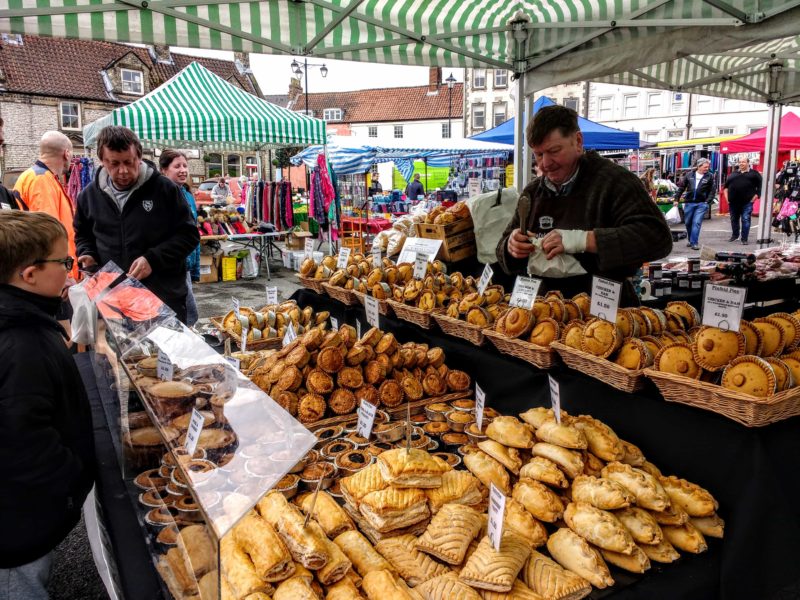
(282, 156)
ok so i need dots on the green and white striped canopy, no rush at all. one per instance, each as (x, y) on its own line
(197, 108)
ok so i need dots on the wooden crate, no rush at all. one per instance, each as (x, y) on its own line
(458, 239)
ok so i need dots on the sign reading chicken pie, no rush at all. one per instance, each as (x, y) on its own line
(605, 299)
(723, 306)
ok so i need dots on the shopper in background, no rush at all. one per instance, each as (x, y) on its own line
(696, 190)
(375, 186)
(414, 189)
(743, 187)
(135, 216)
(220, 193)
(175, 166)
(46, 438)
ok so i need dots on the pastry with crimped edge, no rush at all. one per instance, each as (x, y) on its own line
(598, 527)
(545, 332)
(715, 348)
(573, 552)
(686, 311)
(551, 581)
(784, 379)
(601, 338)
(750, 375)
(642, 526)
(627, 324)
(572, 333)
(496, 570)
(791, 329)
(696, 501)
(772, 336)
(517, 323)
(601, 493)
(753, 341)
(649, 492)
(677, 359)
(539, 500)
(634, 355)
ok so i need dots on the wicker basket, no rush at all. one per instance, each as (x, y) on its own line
(312, 284)
(458, 328)
(411, 314)
(744, 409)
(601, 369)
(383, 305)
(346, 297)
(538, 356)
(263, 344)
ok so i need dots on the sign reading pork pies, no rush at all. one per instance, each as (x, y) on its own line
(723, 306)
(605, 298)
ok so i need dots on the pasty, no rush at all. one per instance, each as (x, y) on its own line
(519, 591)
(603, 442)
(344, 589)
(642, 525)
(196, 544)
(689, 496)
(544, 470)
(508, 457)
(523, 523)
(488, 569)
(412, 468)
(599, 527)
(551, 581)
(561, 434)
(570, 461)
(449, 533)
(663, 552)
(539, 500)
(270, 556)
(327, 513)
(685, 537)
(649, 467)
(361, 553)
(239, 570)
(648, 491)
(510, 431)
(337, 567)
(573, 552)
(446, 587)
(362, 483)
(539, 414)
(412, 565)
(592, 466)
(295, 588)
(602, 493)
(633, 455)
(382, 585)
(304, 543)
(636, 562)
(672, 515)
(394, 508)
(711, 526)
(458, 487)
(488, 470)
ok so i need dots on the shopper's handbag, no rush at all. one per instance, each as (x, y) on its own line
(84, 315)
(673, 216)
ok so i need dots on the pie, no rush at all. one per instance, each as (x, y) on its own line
(394, 508)
(391, 393)
(569, 461)
(510, 431)
(791, 329)
(634, 355)
(753, 342)
(311, 408)
(655, 318)
(539, 414)
(649, 492)
(633, 455)
(642, 526)
(602, 441)
(330, 359)
(572, 333)
(627, 324)
(342, 401)
(544, 470)
(685, 311)
(750, 375)
(413, 566)
(673, 515)
(539, 500)
(714, 348)
(508, 457)
(412, 468)
(496, 570)
(601, 338)
(599, 527)
(561, 434)
(772, 336)
(689, 496)
(361, 553)
(677, 359)
(605, 494)
(327, 513)
(519, 591)
(449, 533)
(270, 557)
(518, 322)
(446, 587)
(198, 548)
(545, 332)
(488, 470)
(319, 382)
(573, 552)
(457, 381)
(458, 487)
(783, 374)
(551, 581)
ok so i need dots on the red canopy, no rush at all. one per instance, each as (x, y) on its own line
(789, 140)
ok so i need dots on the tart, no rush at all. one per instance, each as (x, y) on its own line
(325, 434)
(389, 432)
(545, 332)
(357, 440)
(455, 439)
(319, 382)
(151, 499)
(214, 441)
(436, 411)
(772, 336)
(634, 355)
(369, 393)
(330, 359)
(601, 338)
(311, 408)
(458, 420)
(146, 445)
(678, 359)
(342, 401)
(287, 485)
(791, 329)
(334, 448)
(138, 419)
(350, 377)
(464, 404)
(196, 470)
(753, 341)
(168, 536)
(686, 311)
(457, 381)
(312, 474)
(172, 398)
(436, 428)
(714, 348)
(391, 393)
(451, 459)
(572, 333)
(148, 366)
(749, 375)
(352, 461)
(288, 401)
(150, 480)
(783, 374)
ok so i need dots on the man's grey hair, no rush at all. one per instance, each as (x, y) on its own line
(702, 161)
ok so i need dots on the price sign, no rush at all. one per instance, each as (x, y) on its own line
(555, 398)
(309, 248)
(480, 403)
(272, 294)
(371, 307)
(234, 361)
(605, 298)
(344, 256)
(235, 302)
(376, 256)
(366, 418)
(497, 511)
(525, 291)
(723, 306)
(420, 265)
(334, 323)
(195, 427)
(290, 335)
(414, 246)
(245, 330)
(164, 368)
(486, 277)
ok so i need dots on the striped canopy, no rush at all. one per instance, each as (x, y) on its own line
(197, 108)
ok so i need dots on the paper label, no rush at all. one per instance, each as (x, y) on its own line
(358, 328)
(309, 248)
(376, 256)
(605, 298)
(525, 291)
(723, 306)
(371, 307)
(334, 323)
(164, 368)
(244, 339)
(555, 398)
(420, 265)
(272, 294)
(290, 335)
(497, 511)
(486, 277)
(235, 302)
(480, 402)
(413, 246)
(344, 256)
(234, 361)
(195, 427)
(366, 419)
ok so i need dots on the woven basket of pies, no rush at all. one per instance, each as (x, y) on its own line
(416, 299)
(468, 316)
(313, 275)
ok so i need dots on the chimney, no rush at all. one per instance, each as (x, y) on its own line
(434, 80)
(295, 90)
(242, 57)
(162, 54)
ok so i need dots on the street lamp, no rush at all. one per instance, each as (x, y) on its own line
(451, 81)
(303, 70)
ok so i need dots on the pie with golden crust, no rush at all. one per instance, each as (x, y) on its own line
(634, 355)
(678, 359)
(783, 374)
(522, 522)
(711, 526)
(636, 562)
(518, 322)
(573, 552)
(572, 333)
(598, 527)
(496, 570)
(601, 338)
(602, 441)
(356, 486)
(508, 457)
(488, 470)
(458, 487)
(446, 587)
(696, 501)
(545, 332)
(391, 393)
(772, 336)
(413, 566)
(412, 468)
(750, 375)
(791, 329)
(714, 348)
(685, 537)
(319, 382)
(311, 408)
(627, 324)
(544, 470)
(561, 434)
(457, 381)
(569, 461)
(449, 533)
(510, 431)
(663, 552)
(686, 311)
(330, 359)
(394, 508)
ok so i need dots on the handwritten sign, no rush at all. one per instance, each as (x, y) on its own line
(414, 246)
(193, 435)
(723, 306)
(486, 277)
(366, 419)
(344, 256)
(290, 335)
(497, 511)
(555, 398)
(525, 291)
(272, 294)
(164, 368)
(235, 302)
(420, 265)
(480, 403)
(371, 307)
(605, 298)
(309, 248)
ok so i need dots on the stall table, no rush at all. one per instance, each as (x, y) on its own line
(371, 226)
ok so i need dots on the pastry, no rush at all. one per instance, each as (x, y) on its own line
(642, 526)
(538, 499)
(374, 372)
(592, 465)
(672, 515)
(685, 311)
(457, 381)
(599, 527)
(446, 587)
(711, 526)
(350, 377)
(655, 318)
(791, 329)
(572, 333)
(174, 571)
(510, 431)
(413, 566)
(344, 589)
(750, 375)
(342, 401)
(648, 491)
(288, 401)
(572, 552)
(496, 570)
(449, 533)
(677, 359)
(545, 332)
(627, 324)
(337, 566)
(561, 434)
(413, 468)
(557, 309)
(356, 355)
(688, 496)
(195, 543)
(633, 455)
(634, 355)
(508, 457)
(330, 359)
(602, 441)
(412, 388)
(311, 408)
(391, 393)
(649, 467)
(238, 570)
(636, 562)
(602, 493)
(369, 393)
(361, 553)
(319, 382)
(714, 348)
(458, 487)
(685, 537)
(298, 357)
(551, 581)
(305, 543)
(783, 374)
(519, 591)
(753, 342)
(539, 414)
(327, 513)
(663, 552)
(394, 508)
(544, 470)
(653, 344)
(569, 461)
(270, 556)
(433, 384)
(355, 487)
(522, 522)
(772, 336)
(295, 588)
(383, 585)
(601, 338)
(488, 470)
(518, 322)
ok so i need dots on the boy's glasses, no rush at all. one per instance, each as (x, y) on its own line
(68, 262)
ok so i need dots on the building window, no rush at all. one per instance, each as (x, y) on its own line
(725, 130)
(498, 114)
(70, 115)
(653, 104)
(445, 131)
(479, 79)
(571, 103)
(132, 82)
(478, 117)
(500, 78)
(729, 105)
(234, 165)
(699, 133)
(604, 106)
(650, 136)
(398, 132)
(332, 114)
(630, 106)
(214, 163)
(372, 131)
(675, 134)
(251, 164)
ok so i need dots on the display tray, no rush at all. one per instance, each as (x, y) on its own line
(458, 328)
(346, 297)
(312, 284)
(601, 369)
(412, 314)
(263, 344)
(744, 409)
(383, 305)
(539, 356)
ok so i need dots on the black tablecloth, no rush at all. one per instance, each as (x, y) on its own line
(753, 473)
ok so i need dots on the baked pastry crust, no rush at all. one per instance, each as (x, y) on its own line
(642, 526)
(457, 381)
(295, 588)
(539, 500)
(772, 336)
(198, 549)
(488, 470)
(649, 492)
(412, 468)
(572, 333)
(539, 414)
(604, 494)
(696, 501)
(394, 508)
(374, 372)
(449, 533)
(446, 587)
(413, 566)
(356, 486)
(636, 562)
(711, 526)
(391, 394)
(570, 461)
(544, 470)
(337, 566)
(311, 408)
(673, 515)
(602, 441)
(574, 553)
(361, 553)
(685, 537)
(714, 348)
(508, 457)
(663, 552)
(627, 324)
(545, 332)
(685, 311)
(269, 554)
(519, 591)
(753, 342)
(634, 355)
(412, 388)
(350, 377)
(601, 338)
(319, 382)
(551, 581)
(238, 569)
(791, 329)
(518, 322)
(561, 434)
(496, 571)
(342, 401)
(750, 375)
(523, 523)
(656, 319)
(599, 527)
(783, 374)
(510, 431)
(678, 359)
(356, 355)
(344, 589)
(633, 455)
(458, 487)
(327, 512)
(330, 359)
(305, 543)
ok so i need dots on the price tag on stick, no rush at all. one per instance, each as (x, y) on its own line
(164, 369)
(371, 308)
(366, 418)
(272, 294)
(376, 256)
(193, 434)
(480, 403)
(497, 511)
(235, 302)
(309, 248)
(290, 335)
(420, 265)
(605, 298)
(358, 328)
(525, 291)
(344, 256)
(334, 323)
(486, 277)
(245, 330)
(555, 398)
(723, 306)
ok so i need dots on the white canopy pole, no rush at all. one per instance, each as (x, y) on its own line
(519, 135)
(771, 144)
(528, 153)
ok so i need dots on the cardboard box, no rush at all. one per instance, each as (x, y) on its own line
(297, 240)
(209, 269)
(458, 239)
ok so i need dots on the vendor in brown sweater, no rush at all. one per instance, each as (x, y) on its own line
(585, 215)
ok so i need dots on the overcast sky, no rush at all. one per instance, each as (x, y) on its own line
(273, 73)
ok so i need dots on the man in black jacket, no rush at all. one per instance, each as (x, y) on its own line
(743, 187)
(47, 447)
(135, 216)
(696, 190)
(414, 189)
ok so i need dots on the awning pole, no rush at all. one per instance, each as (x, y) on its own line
(769, 173)
(519, 135)
(528, 152)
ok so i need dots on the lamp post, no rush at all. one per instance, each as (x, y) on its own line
(298, 70)
(451, 81)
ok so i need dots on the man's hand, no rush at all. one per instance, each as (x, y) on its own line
(519, 245)
(86, 263)
(553, 244)
(140, 269)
